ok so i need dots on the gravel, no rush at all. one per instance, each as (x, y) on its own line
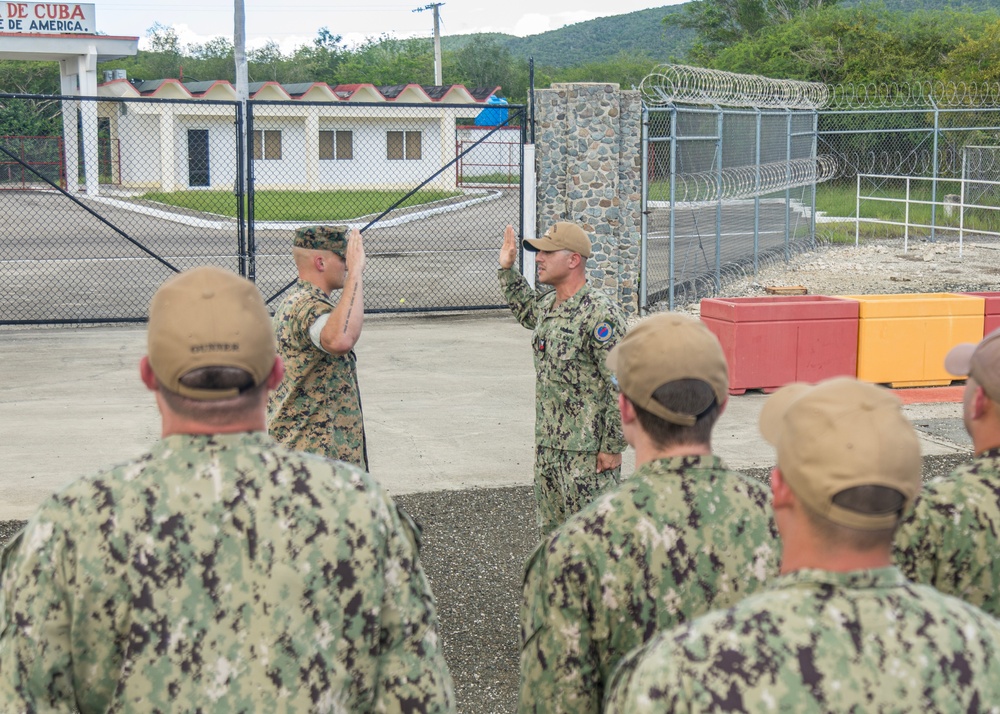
(475, 542)
(876, 267)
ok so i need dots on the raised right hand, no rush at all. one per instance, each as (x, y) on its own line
(355, 257)
(508, 252)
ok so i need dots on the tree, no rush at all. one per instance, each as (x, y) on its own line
(719, 23)
(387, 60)
(321, 60)
(264, 63)
(216, 59)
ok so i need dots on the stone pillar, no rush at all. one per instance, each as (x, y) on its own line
(588, 163)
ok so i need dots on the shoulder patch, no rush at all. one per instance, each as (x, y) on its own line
(604, 332)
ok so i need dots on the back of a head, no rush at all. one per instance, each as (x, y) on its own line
(210, 336)
(847, 452)
(672, 367)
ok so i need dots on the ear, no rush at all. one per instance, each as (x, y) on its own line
(147, 376)
(276, 375)
(981, 403)
(319, 263)
(626, 409)
(781, 494)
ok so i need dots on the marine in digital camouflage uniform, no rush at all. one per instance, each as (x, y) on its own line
(679, 537)
(951, 539)
(317, 407)
(842, 629)
(220, 572)
(578, 439)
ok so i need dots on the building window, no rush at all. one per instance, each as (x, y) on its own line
(403, 145)
(267, 145)
(336, 145)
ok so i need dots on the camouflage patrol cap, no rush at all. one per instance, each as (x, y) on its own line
(840, 434)
(331, 238)
(981, 361)
(664, 348)
(562, 236)
(209, 317)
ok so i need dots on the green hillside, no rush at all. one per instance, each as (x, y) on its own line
(640, 32)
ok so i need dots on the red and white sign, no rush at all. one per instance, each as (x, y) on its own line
(47, 18)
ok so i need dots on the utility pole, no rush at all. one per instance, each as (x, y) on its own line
(437, 39)
(240, 55)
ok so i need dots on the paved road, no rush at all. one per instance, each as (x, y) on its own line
(59, 262)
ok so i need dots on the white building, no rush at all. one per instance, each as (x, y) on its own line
(314, 137)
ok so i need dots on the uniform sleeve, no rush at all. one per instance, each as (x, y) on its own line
(946, 542)
(611, 322)
(631, 689)
(519, 296)
(52, 658)
(413, 676)
(560, 671)
(915, 546)
(616, 698)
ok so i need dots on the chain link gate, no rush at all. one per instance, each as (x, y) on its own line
(152, 186)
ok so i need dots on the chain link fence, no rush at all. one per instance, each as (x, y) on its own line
(729, 178)
(118, 194)
(910, 163)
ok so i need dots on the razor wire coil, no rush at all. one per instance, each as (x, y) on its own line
(682, 84)
(753, 180)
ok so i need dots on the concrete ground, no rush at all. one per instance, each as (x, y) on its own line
(448, 404)
(449, 411)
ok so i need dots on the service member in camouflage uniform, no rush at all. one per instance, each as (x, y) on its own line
(841, 630)
(220, 572)
(679, 537)
(951, 539)
(578, 438)
(317, 407)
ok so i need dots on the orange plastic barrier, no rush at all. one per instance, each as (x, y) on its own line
(903, 339)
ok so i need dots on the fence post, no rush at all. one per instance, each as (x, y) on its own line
(241, 231)
(857, 211)
(673, 204)
(756, 193)
(934, 164)
(248, 158)
(718, 206)
(788, 180)
(643, 216)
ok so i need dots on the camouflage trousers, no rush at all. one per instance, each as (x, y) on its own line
(565, 482)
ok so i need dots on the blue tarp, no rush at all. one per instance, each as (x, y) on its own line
(494, 116)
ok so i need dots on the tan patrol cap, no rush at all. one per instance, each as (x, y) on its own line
(664, 348)
(840, 434)
(209, 317)
(981, 361)
(562, 236)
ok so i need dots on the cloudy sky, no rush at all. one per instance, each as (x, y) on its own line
(295, 22)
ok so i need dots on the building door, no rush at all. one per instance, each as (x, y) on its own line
(198, 157)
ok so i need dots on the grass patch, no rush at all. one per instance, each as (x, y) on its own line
(840, 199)
(497, 178)
(298, 205)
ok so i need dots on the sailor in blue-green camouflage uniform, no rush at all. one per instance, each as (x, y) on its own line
(841, 629)
(317, 407)
(951, 539)
(578, 439)
(220, 572)
(680, 536)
